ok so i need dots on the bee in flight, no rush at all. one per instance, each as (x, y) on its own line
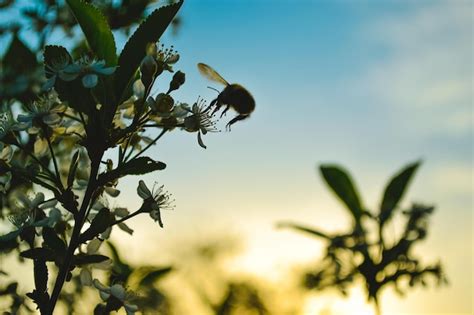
(234, 95)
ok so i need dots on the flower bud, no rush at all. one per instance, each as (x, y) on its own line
(148, 69)
(191, 123)
(163, 103)
(177, 81)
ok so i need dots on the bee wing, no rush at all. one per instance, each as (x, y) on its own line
(211, 74)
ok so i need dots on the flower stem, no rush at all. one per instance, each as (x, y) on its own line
(148, 146)
(20, 146)
(55, 163)
(128, 217)
(74, 241)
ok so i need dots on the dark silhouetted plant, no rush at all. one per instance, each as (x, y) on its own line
(56, 146)
(365, 252)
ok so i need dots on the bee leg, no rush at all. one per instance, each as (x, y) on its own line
(225, 110)
(218, 106)
(234, 120)
(210, 105)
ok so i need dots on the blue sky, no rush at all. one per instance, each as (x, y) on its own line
(367, 84)
(371, 86)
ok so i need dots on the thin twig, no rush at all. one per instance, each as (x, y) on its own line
(55, 163)
(150, 144)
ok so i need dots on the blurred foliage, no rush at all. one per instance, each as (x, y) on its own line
(217, 292)
(367, 251)
(221, 293)
(143, 280)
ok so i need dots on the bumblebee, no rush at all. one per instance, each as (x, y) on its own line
(234, 95)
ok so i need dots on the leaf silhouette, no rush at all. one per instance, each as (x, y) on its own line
(395, 190)
(341, 184)
(304, 229)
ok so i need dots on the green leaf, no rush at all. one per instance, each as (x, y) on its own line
(96, 30)
(40, 253)
(135, 49)
(154, 275)
(395, 190)
(99, 224)
(139, 166)
(304, 229)
(72, 92)
(84, 259)
(341, 184)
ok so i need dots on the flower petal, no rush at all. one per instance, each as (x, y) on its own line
(125, 228)
(52, 119)
(98, 285)
(105, 71)
(118, 291)
(49, 84)
(143, 191)
(121, 212)
(130, 308)
(86, 277)
(111, 191)
(104, 295)
(93, 246)
(48, 204)
(90, 80)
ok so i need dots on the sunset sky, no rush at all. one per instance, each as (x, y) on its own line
(370, 85)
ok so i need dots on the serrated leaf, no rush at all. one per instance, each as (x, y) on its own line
(154, 275)
(135, 50)
(40, 253)
(304, 229)
(40, 295)
(96, 30)
(71, 92)
(84, 259)
(99, 224)
(41, 275)
(52, 241)
(341, 184)
(139, 166)
(395, 190)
